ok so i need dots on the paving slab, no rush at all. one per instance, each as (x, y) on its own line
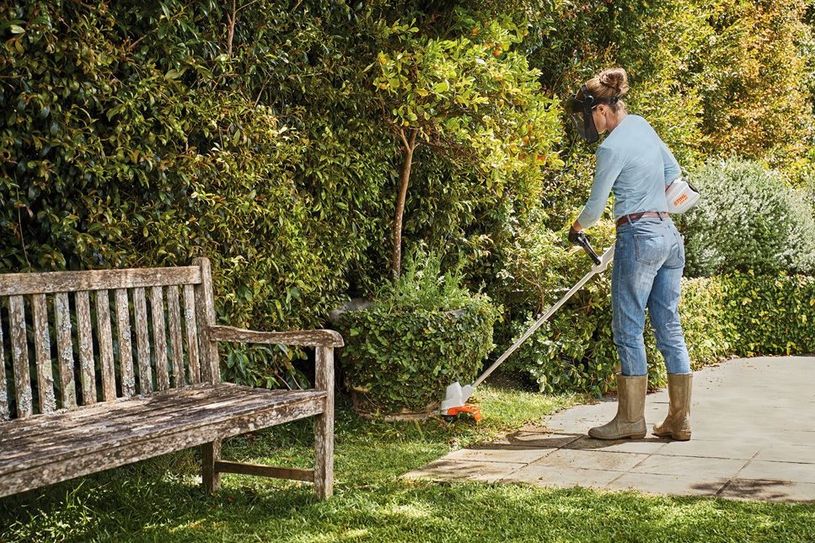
(679, 485)
(647, 446)
(778, 471)
(690, 466)
(753, 438)
(499, 453)
(769, 490)
(730, 448)
(561, 477)
(788, 452)
(602, 460)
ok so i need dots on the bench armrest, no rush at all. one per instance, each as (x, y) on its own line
(304, 338)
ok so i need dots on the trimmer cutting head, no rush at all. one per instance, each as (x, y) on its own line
(456, 396)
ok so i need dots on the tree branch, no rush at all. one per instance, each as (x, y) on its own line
(404, 139)
(246, 5)
(414, 133)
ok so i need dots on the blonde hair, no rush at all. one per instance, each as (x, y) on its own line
(610, 83)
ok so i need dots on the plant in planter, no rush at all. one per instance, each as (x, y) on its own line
(423, 332)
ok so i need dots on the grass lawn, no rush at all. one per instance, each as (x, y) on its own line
(160, 500)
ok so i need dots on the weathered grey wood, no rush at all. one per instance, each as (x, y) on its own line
(104, 336)
(174, 318)
(306, 338)
(19, 355)
(65, 350)
(142, 341)
(131, 423)
(210, 454)
(56, 446)
(4, 408)
(42, 352)
(45, 283)
(265, 471)
(324, 426)
(87, 378)
(125, 344)
(205, 315)
(191, 334)
(215, 406)
(159, 338)
(125, 451)
(127, 411)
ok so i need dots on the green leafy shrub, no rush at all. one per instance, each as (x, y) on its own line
(709, 328)
(134, 135)
(420, 335)
(747, 219)
(770, 314)
(732, 315)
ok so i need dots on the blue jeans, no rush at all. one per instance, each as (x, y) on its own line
(649, 256)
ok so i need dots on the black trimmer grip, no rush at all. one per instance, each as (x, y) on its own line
(584, 242)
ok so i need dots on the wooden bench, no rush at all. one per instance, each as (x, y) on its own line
(77, 398)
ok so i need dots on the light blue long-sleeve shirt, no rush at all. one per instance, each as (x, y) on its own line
(637, 165)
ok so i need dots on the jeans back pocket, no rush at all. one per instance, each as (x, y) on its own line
(649, 249)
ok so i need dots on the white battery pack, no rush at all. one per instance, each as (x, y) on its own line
(681, 196)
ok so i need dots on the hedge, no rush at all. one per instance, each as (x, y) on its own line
(724, 316)
(770, 315)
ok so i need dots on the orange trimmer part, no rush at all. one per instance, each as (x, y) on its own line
(472, 410)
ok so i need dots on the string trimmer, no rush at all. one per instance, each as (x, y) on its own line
(456, 396)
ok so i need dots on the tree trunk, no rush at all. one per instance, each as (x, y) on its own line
(404, 178)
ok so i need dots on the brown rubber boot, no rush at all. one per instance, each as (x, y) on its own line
(677, 423)
(630, 419)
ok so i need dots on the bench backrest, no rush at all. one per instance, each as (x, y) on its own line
(69, 339)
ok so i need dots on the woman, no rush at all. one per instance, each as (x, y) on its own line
(649, 253)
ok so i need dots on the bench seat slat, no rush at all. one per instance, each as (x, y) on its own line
(45, 283)
(126, 417)
(64, 420)
(143, 423)
(217, 406)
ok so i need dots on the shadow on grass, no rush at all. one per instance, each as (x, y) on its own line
(157, 509)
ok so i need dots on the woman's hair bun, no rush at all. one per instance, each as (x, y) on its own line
(616, 79)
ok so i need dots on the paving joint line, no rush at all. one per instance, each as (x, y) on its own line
(736, 476)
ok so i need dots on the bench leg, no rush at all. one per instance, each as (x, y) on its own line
(210, 453)
(324, 426)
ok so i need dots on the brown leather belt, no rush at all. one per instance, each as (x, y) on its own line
(631, 217)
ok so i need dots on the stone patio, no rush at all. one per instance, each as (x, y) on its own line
(753, 438)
